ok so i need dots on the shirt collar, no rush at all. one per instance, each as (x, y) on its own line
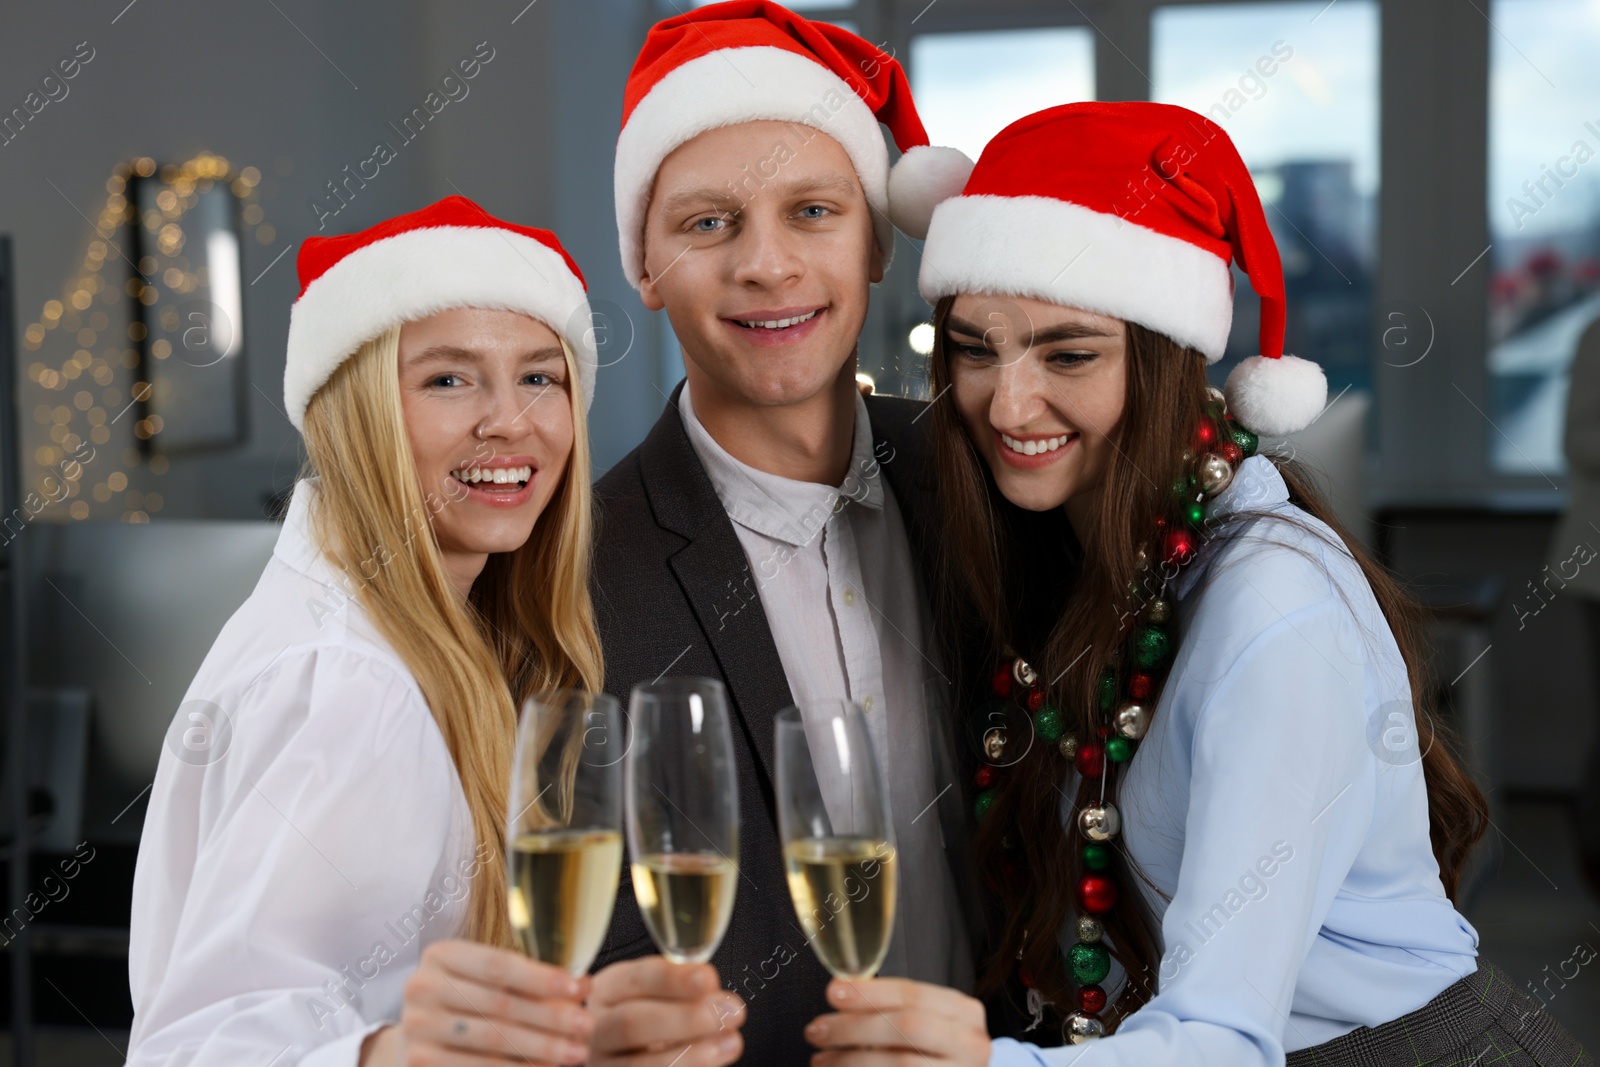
(785, 509)
(297, 543)
(1256, 486)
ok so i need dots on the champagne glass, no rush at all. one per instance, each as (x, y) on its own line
(838, 836)
(683, 814)
(564, 830)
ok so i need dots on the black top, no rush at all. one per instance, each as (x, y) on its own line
(668, 572)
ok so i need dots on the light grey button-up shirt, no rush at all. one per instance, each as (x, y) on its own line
(834, 573)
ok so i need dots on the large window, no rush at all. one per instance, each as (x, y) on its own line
(1296, 88)
(970, 86)
(1544, 219)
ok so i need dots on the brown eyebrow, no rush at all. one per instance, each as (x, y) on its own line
(730, 202)
(1070, 331)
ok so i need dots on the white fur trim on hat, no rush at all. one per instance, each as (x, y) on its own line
(1041, 247)
(920, 181)
(734, 85)
(418, 273)
(1274, 397)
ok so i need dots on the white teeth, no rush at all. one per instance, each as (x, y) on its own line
(497, 476)
(1033, 448)
(778, 324)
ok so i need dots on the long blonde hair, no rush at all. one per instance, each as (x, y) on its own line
(527, 625)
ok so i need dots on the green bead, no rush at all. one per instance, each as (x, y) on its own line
(1119, 749)
(1106, 690)
(1090, 962)
(1247, 441)
(985, 801)
(1049, 724)
(1182, 485)
(1150, 646)
(1096, 857)
(1194, 513)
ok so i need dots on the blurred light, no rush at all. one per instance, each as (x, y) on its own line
(921, 338)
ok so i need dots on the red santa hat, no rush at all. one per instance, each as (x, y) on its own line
(748, 60)
(448, 255)
(1133, 210)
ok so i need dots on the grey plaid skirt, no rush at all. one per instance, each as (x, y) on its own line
(1481, 1020)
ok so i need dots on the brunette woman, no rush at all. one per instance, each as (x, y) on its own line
(1215, 820)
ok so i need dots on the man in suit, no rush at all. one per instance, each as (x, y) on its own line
(768, 532)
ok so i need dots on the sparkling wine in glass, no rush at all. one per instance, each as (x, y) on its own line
(838, 837)
(683, 814)
(564, 830)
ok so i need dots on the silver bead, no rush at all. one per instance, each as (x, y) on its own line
(1160, 611)
(1080, 1028)
(1099, 822)
(1141, 558)
(1213, 473)
(1213, 393)
(994, 743)
(1132, 720)
(1023, 673)
(1187, 456)
(1115, 659)
(1068, 746)
(1089, 929)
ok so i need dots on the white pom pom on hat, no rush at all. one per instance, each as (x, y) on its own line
(1276, 396)
(923, 178)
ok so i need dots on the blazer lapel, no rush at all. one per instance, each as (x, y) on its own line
(715, 577)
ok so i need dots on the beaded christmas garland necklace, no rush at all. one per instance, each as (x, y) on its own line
(1125, 695)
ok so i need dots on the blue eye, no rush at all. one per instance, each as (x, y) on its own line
(967, 351)
(814, 207)
(541, 378)
(443, 380)
(709, 224)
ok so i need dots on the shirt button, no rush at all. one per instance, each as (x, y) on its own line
(849, 598)
(866, 703)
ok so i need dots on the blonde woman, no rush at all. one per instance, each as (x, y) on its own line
(322, 856)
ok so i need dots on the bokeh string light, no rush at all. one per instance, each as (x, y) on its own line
(84, 394)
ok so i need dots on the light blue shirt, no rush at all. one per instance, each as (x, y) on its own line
(1278, 803)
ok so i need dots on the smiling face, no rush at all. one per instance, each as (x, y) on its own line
(485, 396)
(1040, 389)
(761, 250)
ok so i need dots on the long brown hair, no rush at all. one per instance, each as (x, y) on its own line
(528, 624)
(1008, 588)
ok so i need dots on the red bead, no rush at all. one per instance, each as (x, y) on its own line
(1232, 453)
(1035, 699)
(1002, 681)
(1097, 894)
(1205, 435)
(1161, 522)
(1141, 685)
(1178, 547)
(1103, 731)
(1027, 978)
(985, 777)
(1092, 999)
(1091, 760)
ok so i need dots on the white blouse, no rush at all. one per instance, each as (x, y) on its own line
(307, 834)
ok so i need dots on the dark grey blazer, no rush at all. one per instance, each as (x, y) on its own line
(669, 580)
